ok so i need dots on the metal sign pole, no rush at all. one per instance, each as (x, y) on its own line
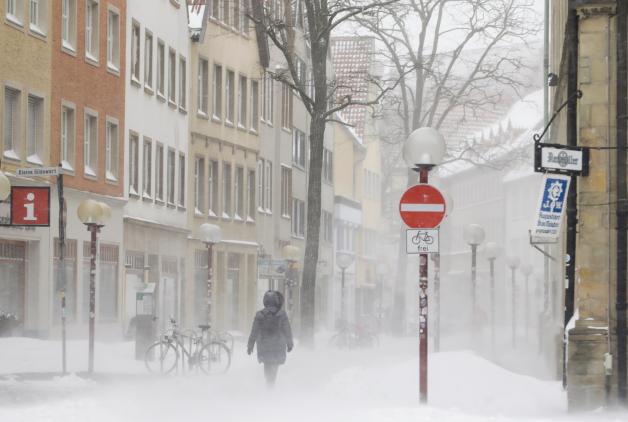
(423, 312)
(62, 274)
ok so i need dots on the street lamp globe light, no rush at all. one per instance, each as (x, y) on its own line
(210, 233)
(291, 252)
(424, 147)
(473, 234)
(90, 212)
(513, 262)
(5, 186)
(344, 260)
(491, 250)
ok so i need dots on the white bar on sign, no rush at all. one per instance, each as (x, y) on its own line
(423, 207)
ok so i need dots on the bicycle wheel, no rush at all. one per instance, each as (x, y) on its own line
(214, 358)
(161, 357)
(226, 338)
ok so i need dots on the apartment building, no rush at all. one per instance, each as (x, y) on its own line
(87, 133)
(26, 39)
(156, 159)
(225, 184)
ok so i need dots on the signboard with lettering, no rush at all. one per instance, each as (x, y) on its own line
(561, 159)
(30, 206)
(551, 206)
(38, 171)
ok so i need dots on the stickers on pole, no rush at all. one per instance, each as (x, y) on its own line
(421, 241)
(551, 206)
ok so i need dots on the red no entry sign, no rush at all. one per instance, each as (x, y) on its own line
(422, 207)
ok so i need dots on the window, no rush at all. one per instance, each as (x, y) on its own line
(226, 5)
(172, 76)
(35, 129)
(260, 185)
(108, 282)
(286, 191)
(148, 60)
(199, 185)
(133, 164)
(202, 86)
(14, 11)
(286, 107)
(91, 30)
(182, 83)
(171, 176)
(111, 151)
(68, 130)
(328, 227)
(37, 16)
(113, 41)
(345, 238)
(230, 95)
(181, 180)
(370, 242)
(239, 192)
(90, 145)
(68, 24)
(268, 100)
(298, 218)
(371, 184)
(251, 196)
(147, 174)
(254, 105)
(237, 18)
(217, 94)
(226, 190)
(298, 148)
(215, 9)
(212, 184)
(268, 187)
(328, 166)
(301, 71)
(161, 68)
(242, 99)
(12, 123)
(159, 172)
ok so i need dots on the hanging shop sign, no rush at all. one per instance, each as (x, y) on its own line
(561, 159)
(551, 206)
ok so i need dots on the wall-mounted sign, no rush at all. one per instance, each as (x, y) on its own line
(554, 158)
(551, 206)
(30, 206)
(420, 241)
(38, 171)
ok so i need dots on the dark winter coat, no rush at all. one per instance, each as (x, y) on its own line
(271, 331)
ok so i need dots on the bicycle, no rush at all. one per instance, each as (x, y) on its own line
(427, 238)
(211, 357)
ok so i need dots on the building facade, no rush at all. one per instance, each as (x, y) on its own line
(156, 159)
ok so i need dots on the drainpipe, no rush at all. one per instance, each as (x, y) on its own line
(622, 198)
(572, 197)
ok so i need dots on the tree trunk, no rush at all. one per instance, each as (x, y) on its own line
(308, 286)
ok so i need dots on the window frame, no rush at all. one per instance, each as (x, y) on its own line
(230, 97)
(183, 90)
(213, 187)
(202, 97)
(15, 153)
(172, 77)
(92, 37)
(217, 88)
(254, 115)
(112, 150)
(199, 184)
(159, 172)
(69, 145)
(134, 164)
(90, 171)
(242, 101)
(69, 44)
(227, 195)
(113, 65)
(147, 168)
(148, 61)
(35, 156)
(160, 83)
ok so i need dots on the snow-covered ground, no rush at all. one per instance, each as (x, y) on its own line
(323, 385)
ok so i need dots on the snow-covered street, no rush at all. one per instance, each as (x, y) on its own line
(379, 384)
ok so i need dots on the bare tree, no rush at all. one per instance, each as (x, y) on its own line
(456, 60)
(289, 25)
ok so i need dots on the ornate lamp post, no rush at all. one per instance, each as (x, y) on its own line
(382, 270)
(210, 234)
(526, 270)
(474, 236)
(423, 150)
(491, 250)
(513, 264)
(94, 215)
(344, 260)
(291, 254)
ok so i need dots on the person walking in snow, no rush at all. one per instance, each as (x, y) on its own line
(272, 333)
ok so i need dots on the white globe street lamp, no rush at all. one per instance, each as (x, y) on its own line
(210, 234)
(492, 250)
(344, 260)
(425, 147)
(94, 214)
(526, 270)
(474, 236)
(513, 263)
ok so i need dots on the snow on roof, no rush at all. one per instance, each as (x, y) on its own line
(514, 131)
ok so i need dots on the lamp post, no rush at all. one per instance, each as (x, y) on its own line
(474, 236)
(382, 270)
(344, 260)
(526, 270)
(94, 215)
(491, 251)
(423, 150)
(513, 263)
(291, 255)
(210, 235)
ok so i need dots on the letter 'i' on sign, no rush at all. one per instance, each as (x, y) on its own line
(30, 206)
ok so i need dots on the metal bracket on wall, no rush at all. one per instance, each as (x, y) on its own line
(536, 241)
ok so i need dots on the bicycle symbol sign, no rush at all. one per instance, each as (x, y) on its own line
(421, 241)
